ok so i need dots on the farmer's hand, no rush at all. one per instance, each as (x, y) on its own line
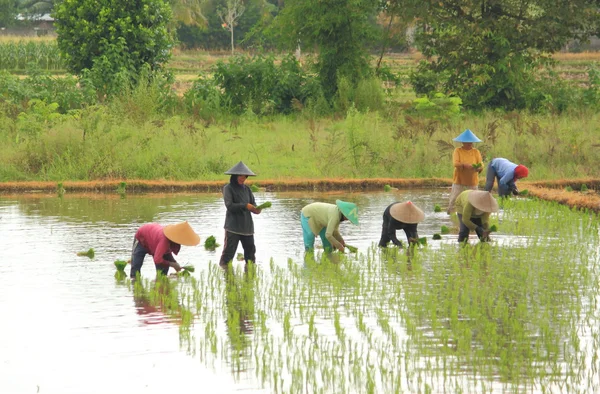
(341, 248)
(515, 191)
(252, 208)
(175, 265)
(479, 169)
(412, 240)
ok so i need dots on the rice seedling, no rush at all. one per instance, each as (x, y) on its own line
(569, 188)
(524, 192)
(89, 253)
(351, 248)
(584, 187)
(121, 189)
(254, 187)
(437, 236)
(211, 243)
(493, 228)
(477, 165)
(120, 265)
(265, 205)
(60, 190)
(437, 208)
(445, 230)
(188, 268)
(387, 188)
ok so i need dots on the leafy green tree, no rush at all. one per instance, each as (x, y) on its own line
(339, 30)
(115, 36)
(36, 7)
(488, 51)
(8, 12)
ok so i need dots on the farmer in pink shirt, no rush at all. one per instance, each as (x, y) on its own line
(161, 243)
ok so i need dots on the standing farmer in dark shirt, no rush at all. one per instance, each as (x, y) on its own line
(239, 226)
(400, 216)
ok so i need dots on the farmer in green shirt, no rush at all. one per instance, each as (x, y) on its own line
(323, 219)
(473, 208)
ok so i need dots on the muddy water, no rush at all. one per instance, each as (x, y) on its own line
(67, 327)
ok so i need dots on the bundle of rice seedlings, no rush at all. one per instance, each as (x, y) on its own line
(351, 248)
(387, 188)
(584, 188)
(254, 187)
(211, 243)
(264, 205)
(524, 192)
(90, 253)
(477, 165)
(444, 230)
(120, 264)
(493, 228)
(437, 208)
(188, 268)
(437, 237)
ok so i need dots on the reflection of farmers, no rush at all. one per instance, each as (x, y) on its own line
(239, 226)
(161, 243)
(465, 175)
(506, 173)
(473, 208)
(400, 216)
(323, 219)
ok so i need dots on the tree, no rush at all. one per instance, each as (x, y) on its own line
(189, 12)
(8, 12)
(488, 51)
(230, 15)
(113, 35)
(36, 7)
(339, 30)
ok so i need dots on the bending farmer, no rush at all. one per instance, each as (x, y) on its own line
(473, 208)
(239, 226)
(323, 219)
(161, 243)
(400, 216)
(507, 174)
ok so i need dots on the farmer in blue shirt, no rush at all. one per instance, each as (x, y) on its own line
(507, 174)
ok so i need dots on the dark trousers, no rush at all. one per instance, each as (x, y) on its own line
(463, 233)
(138, 253)
(231, 244)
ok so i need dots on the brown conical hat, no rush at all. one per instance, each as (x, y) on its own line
(182, 233)
(240, 169)
(407, 212)
(482, 200)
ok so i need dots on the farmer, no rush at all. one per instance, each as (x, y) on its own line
(239, 226)
(161, 243)
(466, 176)
(323, 219)
(400, 216)
(473, 208)
(507, 174)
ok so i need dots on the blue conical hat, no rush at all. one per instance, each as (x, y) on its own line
(349, 210)
(467, 136)
(240, 169)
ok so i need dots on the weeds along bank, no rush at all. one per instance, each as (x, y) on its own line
(131, 139)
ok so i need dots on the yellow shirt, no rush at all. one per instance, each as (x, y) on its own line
(463, 176)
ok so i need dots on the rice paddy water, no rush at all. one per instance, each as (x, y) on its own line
(518, 314)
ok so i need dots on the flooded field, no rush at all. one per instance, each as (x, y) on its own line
(519, 314)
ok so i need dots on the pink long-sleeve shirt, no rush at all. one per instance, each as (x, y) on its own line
(151, 237)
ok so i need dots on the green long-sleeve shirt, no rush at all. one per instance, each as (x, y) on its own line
(468, 211)
(322, 215)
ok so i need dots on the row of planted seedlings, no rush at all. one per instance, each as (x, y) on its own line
(484, 317)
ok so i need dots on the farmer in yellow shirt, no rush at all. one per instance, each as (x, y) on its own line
(323, 219)
(473, 208)
(466, 175)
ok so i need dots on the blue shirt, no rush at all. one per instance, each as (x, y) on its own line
(506, 172)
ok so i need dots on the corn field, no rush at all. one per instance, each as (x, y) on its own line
(18, 56)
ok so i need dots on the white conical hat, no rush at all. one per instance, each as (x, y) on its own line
(482, 200)
(407, 212)
(182, 233)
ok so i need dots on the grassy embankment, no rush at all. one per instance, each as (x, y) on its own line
(129, 140)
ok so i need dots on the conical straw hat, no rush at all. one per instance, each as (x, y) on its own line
(349, 210)
(182, 233)
(467, 136)
(407, 212)
(240, 169)
(482, 200)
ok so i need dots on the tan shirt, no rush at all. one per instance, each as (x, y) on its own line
(466, 176)
(322, 215)
(468, 211)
